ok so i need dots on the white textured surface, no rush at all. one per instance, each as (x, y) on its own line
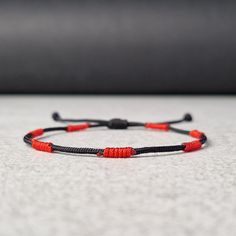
(174, 194)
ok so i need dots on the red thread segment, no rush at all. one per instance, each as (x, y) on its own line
(36, 132)
(195, 133)
(161, 126)
(117, 152)
(71, 128)
(42, 146)
(192, 146)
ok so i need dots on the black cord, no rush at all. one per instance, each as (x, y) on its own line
(115, 124)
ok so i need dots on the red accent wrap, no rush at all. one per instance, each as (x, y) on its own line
(42, 146)
(36, 132)
(192, 146)
(162, 126)
(195, 133)
(117, 152)
(71, 128)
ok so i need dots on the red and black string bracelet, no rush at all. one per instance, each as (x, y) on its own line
(116, 152)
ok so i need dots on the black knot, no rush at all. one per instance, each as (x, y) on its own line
(117, 124)
(188, 117)
(55, 116)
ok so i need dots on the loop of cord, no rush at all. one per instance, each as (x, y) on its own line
(116, 152)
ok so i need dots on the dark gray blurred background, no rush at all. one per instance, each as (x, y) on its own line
(118, 47)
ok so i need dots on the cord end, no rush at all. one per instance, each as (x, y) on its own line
(56, 116)
(188, 117)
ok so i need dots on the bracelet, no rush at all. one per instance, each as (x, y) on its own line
(116, 152)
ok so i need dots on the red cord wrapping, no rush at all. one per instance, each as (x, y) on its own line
(117, 152)
(162, 126)
(71, 128)
(36, 132)
(41, 146)
(122, 152)
(195, 133)
(192, 146)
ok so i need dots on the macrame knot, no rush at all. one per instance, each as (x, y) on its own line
(161, 126)
(71, 128)
(36, 132)
(192, 146)
(42, 146)
(195, 133)
(117, 124)
(117, 152)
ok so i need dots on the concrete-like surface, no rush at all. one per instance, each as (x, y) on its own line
(168, 194)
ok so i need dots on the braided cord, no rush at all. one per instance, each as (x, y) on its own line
(120, 152)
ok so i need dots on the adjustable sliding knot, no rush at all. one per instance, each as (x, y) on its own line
(117, 152)
(161, 126)
(192, 146)
(117, 124)
(71, 128)
(42, 146)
